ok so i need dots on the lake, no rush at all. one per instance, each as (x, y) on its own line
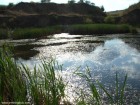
(104, 55)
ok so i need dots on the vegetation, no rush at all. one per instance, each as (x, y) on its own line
(35, 32)
(90, 29)
(19, 84)
(10, 5)
(44, 85)
(130, 15)
(3, 7)
(71, 1)
(24, 15)
(45, 1)
(27, 33)
(83, 29)
(96, 99)
(102, 8)
(110, 19)
(81, 1)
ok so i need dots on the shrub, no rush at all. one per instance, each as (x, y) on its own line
(109, 19)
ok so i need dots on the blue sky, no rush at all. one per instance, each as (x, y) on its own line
(109, 5)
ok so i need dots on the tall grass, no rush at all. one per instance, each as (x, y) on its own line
(82, 29)
(12, 86)
(35, 32)
(44, 86)
(19, 84)
(92, 29)
(95, 95)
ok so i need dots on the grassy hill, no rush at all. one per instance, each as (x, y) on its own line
(132, 14)
(47, 8)
(132, 8)
(44, 14)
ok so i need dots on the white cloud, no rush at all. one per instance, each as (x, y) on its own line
(111, 5)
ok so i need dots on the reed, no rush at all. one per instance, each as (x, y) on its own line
(20, 84)
(27, 33)
(95, 95)
(93, 29)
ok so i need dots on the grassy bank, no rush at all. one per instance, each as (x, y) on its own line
(28, 33)
(36, 32)
(43, 86)
(81, 29)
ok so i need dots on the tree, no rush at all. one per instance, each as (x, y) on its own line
(71, 1)
(45, 1)
(88, 2)
(92, 4)
(109, 19)
(81, 1)
(10, 5)
(102, 8)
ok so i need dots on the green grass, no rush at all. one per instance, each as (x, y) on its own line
(44, 85)
(12, 86)
(92, 29)
(95, 96)
(28, 33)
(81, 29)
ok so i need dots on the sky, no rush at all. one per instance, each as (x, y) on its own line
(109, 5)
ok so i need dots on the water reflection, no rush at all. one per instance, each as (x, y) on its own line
(103, 59)
(113, 54)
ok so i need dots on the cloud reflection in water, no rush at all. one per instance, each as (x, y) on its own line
(114, 53)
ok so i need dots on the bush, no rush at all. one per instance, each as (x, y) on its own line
(109, 19)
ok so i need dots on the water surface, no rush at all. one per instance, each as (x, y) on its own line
(104, 55)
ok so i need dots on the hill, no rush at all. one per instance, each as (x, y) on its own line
(115, 13)
(132, 8)
(44, 14)
(132, 14)
(47, 8)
